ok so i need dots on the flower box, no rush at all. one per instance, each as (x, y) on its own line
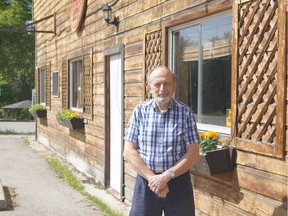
(214, 157)
(70, 119)
(38, 111)
(75, 123)
(41, 113)
(217, 161)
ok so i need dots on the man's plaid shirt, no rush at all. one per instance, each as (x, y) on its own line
(161, 138)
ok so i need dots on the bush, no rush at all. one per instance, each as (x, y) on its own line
(1, 113)
(36, 107)
(24, 114)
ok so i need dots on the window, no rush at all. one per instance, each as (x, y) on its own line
(75, 85)
(42, 86)
(55, 91)
(200, 56)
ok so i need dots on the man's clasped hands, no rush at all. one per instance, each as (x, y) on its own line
(158, 184)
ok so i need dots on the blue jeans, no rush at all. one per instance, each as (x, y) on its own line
(178, 202)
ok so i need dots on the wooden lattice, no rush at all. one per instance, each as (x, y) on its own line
(65, 95)
(88, 88)
(257, 76)
(153, 53)
(48, 85)
(36, 85)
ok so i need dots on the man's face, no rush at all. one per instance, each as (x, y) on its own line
(162, 85)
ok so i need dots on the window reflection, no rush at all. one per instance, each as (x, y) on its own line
(202, 63)
(42, 86)
(75, 83)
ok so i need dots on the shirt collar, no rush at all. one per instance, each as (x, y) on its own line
(171, 106)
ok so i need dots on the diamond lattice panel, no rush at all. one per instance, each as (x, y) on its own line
(88, 104)
(65, 85)
(153, 51)
(258, 34)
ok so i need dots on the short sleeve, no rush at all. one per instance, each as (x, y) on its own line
(191, 133)
(132, 131)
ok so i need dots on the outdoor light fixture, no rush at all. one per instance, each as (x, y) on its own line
(107, 12)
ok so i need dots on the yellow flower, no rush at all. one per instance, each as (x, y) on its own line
(202, 135)
(66, 114)
(209, 141)
(73, 115)
(211, 134)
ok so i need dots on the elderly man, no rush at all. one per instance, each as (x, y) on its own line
(161, 144)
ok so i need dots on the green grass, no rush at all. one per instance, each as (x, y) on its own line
(26, 140)
(13, 132)
(66, 174)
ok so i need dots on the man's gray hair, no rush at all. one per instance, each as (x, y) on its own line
(160, 66)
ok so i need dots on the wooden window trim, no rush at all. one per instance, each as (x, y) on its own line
(70, 98)
(39, 84)
(47, 69)
(85, 53)
(281, 79)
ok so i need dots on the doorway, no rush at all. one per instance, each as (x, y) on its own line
(114, 120)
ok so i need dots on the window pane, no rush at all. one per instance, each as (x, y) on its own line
(75, 85)
(79, 80)
(55, 84)
(202, 63)
(186, 65)
(42, 86)
(216, 81)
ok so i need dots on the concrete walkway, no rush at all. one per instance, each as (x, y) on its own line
(36, 190)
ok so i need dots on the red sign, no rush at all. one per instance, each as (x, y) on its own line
(78, 8)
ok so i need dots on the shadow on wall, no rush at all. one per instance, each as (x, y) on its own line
(280, 210)
(43, 121)
(224, 186)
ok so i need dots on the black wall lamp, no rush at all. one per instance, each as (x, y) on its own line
(107, 12)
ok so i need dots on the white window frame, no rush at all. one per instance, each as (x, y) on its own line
(77, 109)
(224, 130)
(42, 86)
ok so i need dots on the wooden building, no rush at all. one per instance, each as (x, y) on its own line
(228, 56)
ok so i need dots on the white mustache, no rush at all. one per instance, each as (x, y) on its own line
(162, 99)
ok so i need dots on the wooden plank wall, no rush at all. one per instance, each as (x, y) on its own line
(286, 84)
(259, 184)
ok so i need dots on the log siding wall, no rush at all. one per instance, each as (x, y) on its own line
(258, 185)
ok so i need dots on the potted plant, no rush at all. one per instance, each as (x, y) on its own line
(70, 119)
(38, 110)
(214, 157)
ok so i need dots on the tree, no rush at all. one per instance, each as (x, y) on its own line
(17, 51)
